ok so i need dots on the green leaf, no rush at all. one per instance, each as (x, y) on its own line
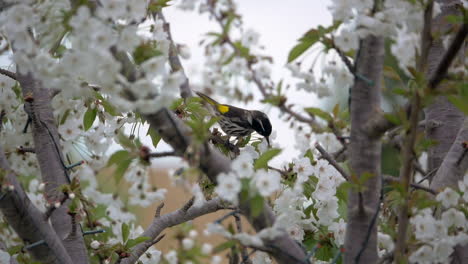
(459, 103)
(309, 154)
(64, 117)
(121, 169)
(256, 205)
(125, 232)
(118, 157)
(390, 73)
(224, 246)
(133, 242)
(319, 112)
(393, 118)
(125, 141)
(145, 51)
(155, 137)
(262, 161)
(89, 118)
(299, 49)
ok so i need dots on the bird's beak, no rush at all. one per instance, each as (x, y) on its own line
(268, 141)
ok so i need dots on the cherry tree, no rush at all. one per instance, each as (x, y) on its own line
(380, 178)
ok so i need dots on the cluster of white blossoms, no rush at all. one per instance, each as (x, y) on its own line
(440, 233)
(261, 181)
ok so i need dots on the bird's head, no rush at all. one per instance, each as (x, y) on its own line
(261, 124)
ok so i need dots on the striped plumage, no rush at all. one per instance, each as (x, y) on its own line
(238, 122)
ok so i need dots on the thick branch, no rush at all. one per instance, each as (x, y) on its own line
(168, 220)
(50, 159)
(27, 221)
(455, 163)
(364, 154)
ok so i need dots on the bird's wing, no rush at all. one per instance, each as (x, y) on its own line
(219, 107)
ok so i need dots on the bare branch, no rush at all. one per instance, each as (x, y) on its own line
(28, 222)
(50, 160)
(455, 163)
(332, 161)
(161, 154)
(448, 57)
(169, 220)
(8, 73)
(158, 210)
(389, 178)
(407, 151)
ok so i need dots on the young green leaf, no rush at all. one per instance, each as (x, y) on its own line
(133, 242)
(319, 112)
(262, 161)
(125, 232)
(89, 118)
(256, 205)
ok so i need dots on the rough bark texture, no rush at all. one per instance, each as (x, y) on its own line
(455, 163)
(27, 221)
(361, 233)
(445, 124)
(50, 160)
(443, 120)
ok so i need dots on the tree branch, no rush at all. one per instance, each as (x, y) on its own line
(28, 222)
(169, 220)
(8, 73)
(332, 161)
(50, 160)
(455, 163)
(365, 153)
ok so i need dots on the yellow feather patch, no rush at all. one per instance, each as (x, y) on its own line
(223, 108)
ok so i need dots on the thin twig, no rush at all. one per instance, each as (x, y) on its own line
(23, 150)
(159, 238)
(158, 210)
(388, 178)
(224, 217)
(332, 161)
(188, 204)
(161, 154)
(448, 57)
(52, 207)
(371, 226)
(244, 254)
(8, 73)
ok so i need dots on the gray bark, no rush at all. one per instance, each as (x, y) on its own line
(51, 164)
(361, 233)
(28, 222)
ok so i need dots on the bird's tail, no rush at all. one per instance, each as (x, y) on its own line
(208, 99)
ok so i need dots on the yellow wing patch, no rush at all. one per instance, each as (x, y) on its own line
(223, 108)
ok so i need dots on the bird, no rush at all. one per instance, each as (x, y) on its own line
(239, 122)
